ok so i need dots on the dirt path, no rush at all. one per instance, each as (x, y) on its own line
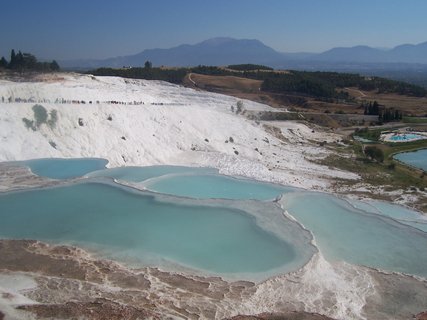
(362, 95)
(192, 81)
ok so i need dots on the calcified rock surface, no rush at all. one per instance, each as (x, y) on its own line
(70, 282)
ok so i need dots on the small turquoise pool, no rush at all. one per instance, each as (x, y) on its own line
(56, 168)
(200, 183)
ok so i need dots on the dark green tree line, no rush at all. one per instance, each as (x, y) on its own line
(27, 62)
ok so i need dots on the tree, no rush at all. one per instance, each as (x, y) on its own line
(54, 66)
(28, 61)
(12, 62)
(3, 63)
(19, 59)
(374, 153)
(148, 64)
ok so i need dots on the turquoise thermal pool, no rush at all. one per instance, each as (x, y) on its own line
(416, 159)
(196, 220)
(201, 183)
(344, 232)
(64, 168)
(143, 229)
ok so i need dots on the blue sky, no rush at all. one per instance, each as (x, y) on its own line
(63, 29)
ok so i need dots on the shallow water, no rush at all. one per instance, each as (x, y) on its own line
(343, 232)
(141, 229)
(140, 174)
(416, 159)
(201, 183)
(398, 213)
(64, 168)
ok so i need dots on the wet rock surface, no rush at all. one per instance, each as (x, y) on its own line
(16, 177)
(65, 274)
(94, 310)
(70, 284)
(294, 315)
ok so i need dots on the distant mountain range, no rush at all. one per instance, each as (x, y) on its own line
(225, 51)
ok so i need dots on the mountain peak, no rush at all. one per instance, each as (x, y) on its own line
(217, 41)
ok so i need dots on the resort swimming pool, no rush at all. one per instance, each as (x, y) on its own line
(199, 220)
(402, 137)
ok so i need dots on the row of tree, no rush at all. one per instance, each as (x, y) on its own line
(148, 73)
(248, 67)
(389, 115)
(384, 114)
(27, 62)
(372, 109)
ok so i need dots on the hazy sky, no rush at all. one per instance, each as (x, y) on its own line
(63, 29)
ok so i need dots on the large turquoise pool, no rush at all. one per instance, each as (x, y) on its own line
(144, 229)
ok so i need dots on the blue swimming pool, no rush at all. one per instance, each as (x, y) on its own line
(406, 137)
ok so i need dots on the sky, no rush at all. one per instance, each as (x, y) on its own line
(95, 29)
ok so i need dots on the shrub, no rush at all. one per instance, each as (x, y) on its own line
(40, 115)
(29, 124)
(53, 119)
(374, 153)
(239, 105)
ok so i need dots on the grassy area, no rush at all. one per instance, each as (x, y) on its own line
(391, 149)
(390, 175)
(365, 133)
(414, 120)
(397, 176)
